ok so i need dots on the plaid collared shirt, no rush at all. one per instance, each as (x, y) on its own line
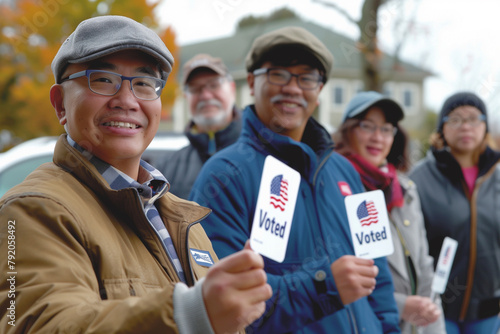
(153, 186)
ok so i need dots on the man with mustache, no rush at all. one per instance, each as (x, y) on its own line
(320, 287)
(215, 121)
(102, 247)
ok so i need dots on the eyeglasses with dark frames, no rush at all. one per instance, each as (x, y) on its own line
(109, 83)
(282, 77)
(387, 130)
(455, 122)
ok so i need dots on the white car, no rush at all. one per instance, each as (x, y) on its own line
(19, 161)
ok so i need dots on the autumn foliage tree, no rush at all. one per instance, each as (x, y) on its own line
(31, 32)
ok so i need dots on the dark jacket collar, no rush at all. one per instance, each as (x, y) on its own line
(450, 167)
(223, 138)
(303, 156)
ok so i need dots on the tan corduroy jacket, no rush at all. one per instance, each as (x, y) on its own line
(85, 258)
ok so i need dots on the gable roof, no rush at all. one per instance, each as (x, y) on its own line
(233, 49)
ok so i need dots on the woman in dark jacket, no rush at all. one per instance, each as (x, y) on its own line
(459, 187)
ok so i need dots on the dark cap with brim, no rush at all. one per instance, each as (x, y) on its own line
(103, 35)
(363, 101)
(203, 61)
(289, 36)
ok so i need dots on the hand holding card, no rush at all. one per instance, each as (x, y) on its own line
(279, 186)
(369, 223)
(355, 277)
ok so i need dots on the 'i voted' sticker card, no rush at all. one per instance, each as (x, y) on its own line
(444, 264)
(369, 223)
(279, 186)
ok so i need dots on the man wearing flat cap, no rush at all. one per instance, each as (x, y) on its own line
(320, 286)
(102, 247)
(215, 123)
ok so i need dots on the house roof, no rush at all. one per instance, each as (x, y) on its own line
(233, 49)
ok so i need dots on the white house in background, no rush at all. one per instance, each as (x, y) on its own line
(404, 84)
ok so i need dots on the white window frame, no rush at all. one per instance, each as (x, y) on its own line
(344, 86)
(414, 91)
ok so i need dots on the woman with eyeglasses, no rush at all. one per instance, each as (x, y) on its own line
(371, 138)
(459, 187)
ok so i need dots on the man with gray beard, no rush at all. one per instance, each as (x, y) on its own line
(215, 122)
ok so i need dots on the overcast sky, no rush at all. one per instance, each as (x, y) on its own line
(457, 40)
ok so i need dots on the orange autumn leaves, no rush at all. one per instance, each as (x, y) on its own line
(31, 33)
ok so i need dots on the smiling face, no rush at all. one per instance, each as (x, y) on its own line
(373, 146)
(210, 98)
(284, 109)
(117, 129)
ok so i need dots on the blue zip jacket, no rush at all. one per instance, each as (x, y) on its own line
(305, 298)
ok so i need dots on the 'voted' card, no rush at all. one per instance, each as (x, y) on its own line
(369, 223)
(279, 186)
(443, 268)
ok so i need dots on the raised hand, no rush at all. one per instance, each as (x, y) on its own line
(235, 290)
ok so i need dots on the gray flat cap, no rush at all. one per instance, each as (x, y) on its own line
(103, 35)
(288, 36)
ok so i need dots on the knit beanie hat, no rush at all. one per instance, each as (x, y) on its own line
(458, 100)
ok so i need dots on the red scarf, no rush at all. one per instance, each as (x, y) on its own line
(373, 178)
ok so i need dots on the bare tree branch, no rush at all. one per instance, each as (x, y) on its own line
(338, 9)
(368, 42)
(404, 36)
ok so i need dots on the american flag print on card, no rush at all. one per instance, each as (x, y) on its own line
(279, 192)
(367, 213)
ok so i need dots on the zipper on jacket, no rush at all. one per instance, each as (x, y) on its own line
(472, 250)
(350, 315)
(352, 320)
(473, 244)
(321, 164)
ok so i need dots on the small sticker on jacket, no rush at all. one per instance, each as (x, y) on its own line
(203, 258)
(344, 188)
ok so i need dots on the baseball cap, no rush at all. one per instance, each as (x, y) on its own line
(203, 60)
(365, 100)
(103, 35)
(292, 37)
